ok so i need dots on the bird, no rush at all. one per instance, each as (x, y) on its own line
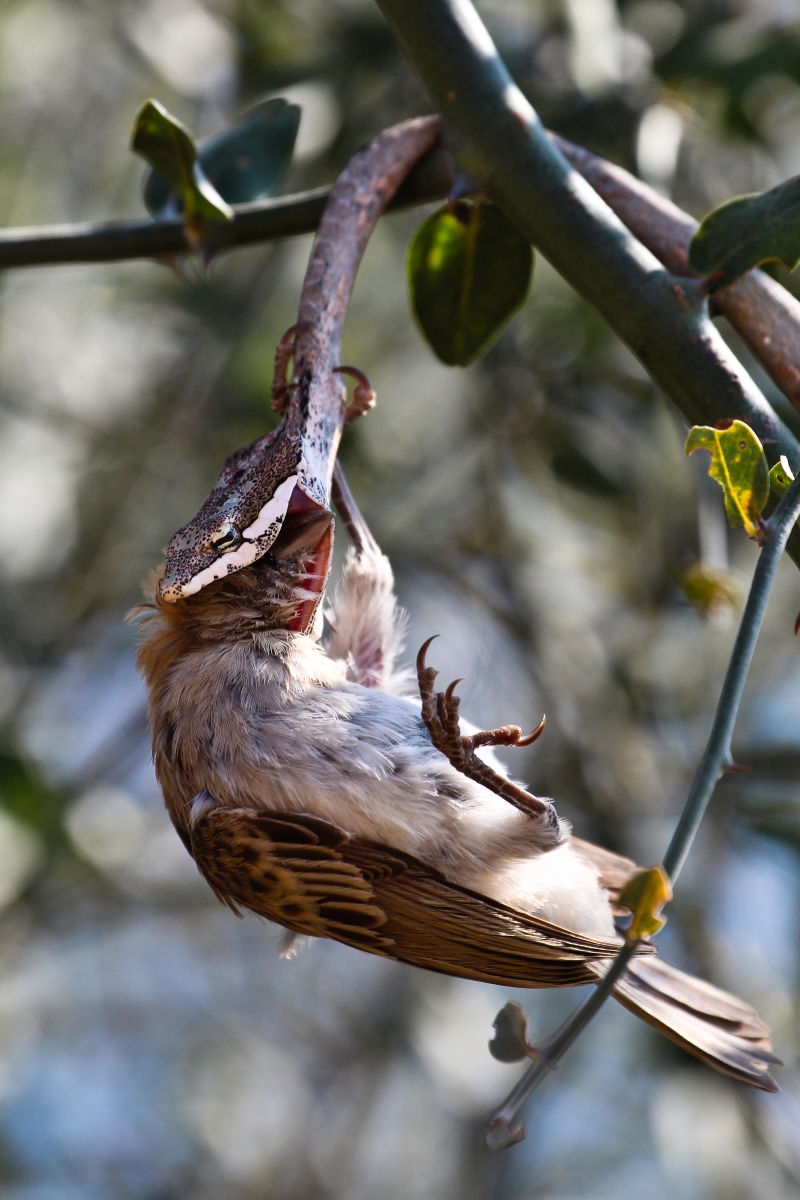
(299, 770)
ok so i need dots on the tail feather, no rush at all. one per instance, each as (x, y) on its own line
(711, 1024)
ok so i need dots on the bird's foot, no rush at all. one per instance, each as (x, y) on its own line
(441, 717)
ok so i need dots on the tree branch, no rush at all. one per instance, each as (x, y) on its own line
(261, 221)
(763, 313)
(662, 319)
(718, 756)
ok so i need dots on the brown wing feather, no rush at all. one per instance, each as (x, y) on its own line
(313, 878)
(291, 870)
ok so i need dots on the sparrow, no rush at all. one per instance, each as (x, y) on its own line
(302, 777)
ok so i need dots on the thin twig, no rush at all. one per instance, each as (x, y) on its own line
(503, 1128)
(718, 758)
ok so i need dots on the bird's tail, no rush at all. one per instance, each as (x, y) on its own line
(713, 1025)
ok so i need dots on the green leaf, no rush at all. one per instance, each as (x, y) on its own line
(748, 231)
(780, 476)
(469, 270)
(740, 468)
(245, 162)
(510, 1042)
(645, 894)
(162, 141)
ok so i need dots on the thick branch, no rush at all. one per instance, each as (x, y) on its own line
(763, 313)
(504, 145)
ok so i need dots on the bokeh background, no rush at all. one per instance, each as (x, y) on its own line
(540, 515)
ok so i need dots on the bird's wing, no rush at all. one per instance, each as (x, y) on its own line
(314, 878)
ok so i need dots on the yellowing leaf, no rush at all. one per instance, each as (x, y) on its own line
(645, 894)
(780, 476)
(740, 468)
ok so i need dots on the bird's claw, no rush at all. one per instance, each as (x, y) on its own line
(441, 709)
(440, 714)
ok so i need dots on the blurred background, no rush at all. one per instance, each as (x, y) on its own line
(540, 516)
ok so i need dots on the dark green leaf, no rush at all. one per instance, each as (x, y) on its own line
(469, 270)
(747, 231)
(246, 162)
(169, 148)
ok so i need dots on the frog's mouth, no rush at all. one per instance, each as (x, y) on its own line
(307, 530)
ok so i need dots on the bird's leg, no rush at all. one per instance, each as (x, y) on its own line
(350, 513)
(362, 401)
(440, 715)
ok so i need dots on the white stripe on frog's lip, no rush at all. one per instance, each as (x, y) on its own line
(249, 551)
(274, 510)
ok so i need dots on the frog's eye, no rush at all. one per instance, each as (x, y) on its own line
(226, 538)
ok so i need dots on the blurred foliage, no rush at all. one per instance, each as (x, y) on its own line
(540, 515)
